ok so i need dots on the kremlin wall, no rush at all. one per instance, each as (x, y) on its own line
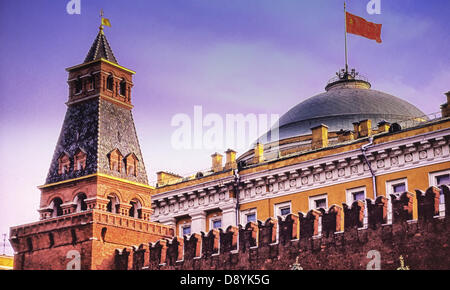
(342, 244)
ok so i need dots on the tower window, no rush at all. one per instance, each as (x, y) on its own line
(109, 83)
(91, 83)
(115, 160)
(56, 207)
(113, 204)
(63, 163)
(136, 209)
(80, 160)
(123, 88)
(131, 163)
(78, 86)
(81, 202)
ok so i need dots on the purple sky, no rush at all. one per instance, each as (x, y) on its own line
(230, 56)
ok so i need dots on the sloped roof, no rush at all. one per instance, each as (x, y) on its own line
(100, 49)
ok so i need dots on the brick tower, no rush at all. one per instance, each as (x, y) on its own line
(96, 197)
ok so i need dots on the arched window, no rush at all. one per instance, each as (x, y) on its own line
(123, 88)
(55, 205)
(115, 160)
(136, 209)
(110, 83)
(78, 86)
(91, 83)
(80, 160)
(80, 200)
(113, 204)
(131, 164)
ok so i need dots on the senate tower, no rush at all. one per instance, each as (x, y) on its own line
(96, 197)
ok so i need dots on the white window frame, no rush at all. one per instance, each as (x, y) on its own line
(312, 205)
(312, 201)
(390, 190)
(349, 200)
(245, 213)
(277, 208)
(432, 178)
(182, 226)
(214, 219)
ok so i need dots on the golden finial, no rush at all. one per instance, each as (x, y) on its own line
(402, 264)
(104, 21)
(296, 265)
(101, 21)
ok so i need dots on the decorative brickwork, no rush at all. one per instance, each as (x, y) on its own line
(93, 234)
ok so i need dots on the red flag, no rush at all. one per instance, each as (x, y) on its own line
(359, 26)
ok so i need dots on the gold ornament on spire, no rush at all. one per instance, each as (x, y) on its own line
(104, 21)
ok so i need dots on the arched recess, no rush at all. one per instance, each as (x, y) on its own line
(110, 82)
(113, 203)
(136, 208)
(80, 201)
(55, 205)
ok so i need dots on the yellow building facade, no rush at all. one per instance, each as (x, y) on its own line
(300, 172)
(6, 262)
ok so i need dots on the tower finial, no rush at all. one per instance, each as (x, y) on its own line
(101, 21)
(104, 21)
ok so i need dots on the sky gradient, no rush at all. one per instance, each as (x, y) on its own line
(229, 56)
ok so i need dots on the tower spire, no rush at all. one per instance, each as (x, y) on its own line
(101, 21)
(101, 48)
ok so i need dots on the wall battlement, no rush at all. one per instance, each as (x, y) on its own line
(337, 238)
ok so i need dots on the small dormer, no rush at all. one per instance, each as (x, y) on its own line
(115, 160)
(63, 163)
(131, 163)
(80, 159)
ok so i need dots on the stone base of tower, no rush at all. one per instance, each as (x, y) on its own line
(85, 241)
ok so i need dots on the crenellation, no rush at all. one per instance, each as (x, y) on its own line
(377, 211)
(428, 203)
(229, 239)
(309, 223)
(192, 246)
(267, 231)
(402, 207)
(210, 242)
(248, 236)
(275, 244)
(288, 228)
(332, 221)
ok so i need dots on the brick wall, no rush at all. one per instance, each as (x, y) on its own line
(93, 235)
(342, 244)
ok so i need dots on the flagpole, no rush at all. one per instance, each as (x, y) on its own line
(346, 57)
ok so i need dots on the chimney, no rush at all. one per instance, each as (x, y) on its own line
(164, 178)
(344, 136)
(356, 129)
(445, 108)
(319, 136)
(216, 162)
(365, 128)
(383, 126)
(259, 153)
(230, 159)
